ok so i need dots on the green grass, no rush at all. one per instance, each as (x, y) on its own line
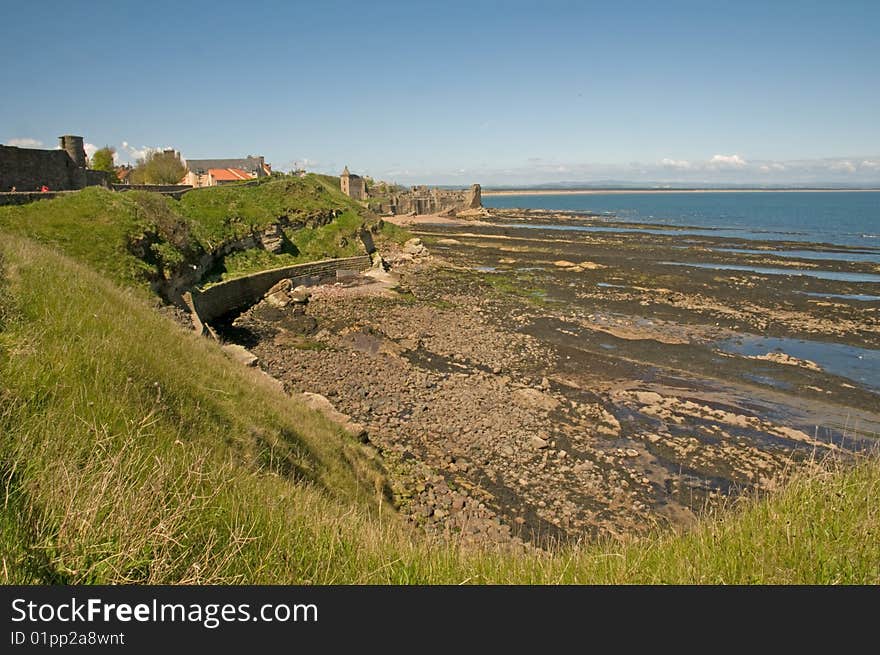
(135, 452)
(220, 212)
(514, 284)
(337, 239)
(93, 226)
(136, 237)
(395, 233)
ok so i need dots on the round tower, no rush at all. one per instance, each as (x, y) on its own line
(73, 146)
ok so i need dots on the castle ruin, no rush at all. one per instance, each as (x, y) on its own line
(64, 169)
(416, 200)
(426, 200)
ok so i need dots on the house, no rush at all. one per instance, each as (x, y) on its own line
(218, 176)
(123, 174)
(353, 186)
(199, 170)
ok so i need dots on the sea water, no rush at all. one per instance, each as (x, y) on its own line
(846, 218)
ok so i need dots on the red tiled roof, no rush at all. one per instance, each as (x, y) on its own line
(229, 174)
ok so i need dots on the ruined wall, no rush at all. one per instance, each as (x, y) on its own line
(28, 169)
(353, 186)
(356, 188)
(242, 292)
(423, 200)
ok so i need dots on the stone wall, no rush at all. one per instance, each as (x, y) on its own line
(243, 292)
(20, 198)
(174, 190)
(28, 169)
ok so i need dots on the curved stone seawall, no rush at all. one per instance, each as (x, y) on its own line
(222, 298)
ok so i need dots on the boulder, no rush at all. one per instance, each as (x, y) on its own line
(323, 405)
(240, 354)
(279, 299)
(534, 399)
(300, 295)
(414, 247)
(537, 443)
(282, 286)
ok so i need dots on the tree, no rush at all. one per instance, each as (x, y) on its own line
(157, 167)
(102, 160)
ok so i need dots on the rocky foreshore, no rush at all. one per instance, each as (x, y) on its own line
(513, 406)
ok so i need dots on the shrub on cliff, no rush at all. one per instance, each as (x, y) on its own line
(159, 168)
(102, 160)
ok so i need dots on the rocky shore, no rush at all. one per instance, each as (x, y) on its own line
(517, 403)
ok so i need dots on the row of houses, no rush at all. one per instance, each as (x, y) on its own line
(212, 172)
(215, 172)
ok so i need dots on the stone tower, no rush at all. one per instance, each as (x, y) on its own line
(354, 186)
(73, 146)
(345, 182)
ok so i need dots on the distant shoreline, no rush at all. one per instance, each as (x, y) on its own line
(585, 192)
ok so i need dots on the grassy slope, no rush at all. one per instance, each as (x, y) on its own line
(337, 239)
(136, 451)
(98, 227)
(217, 212)
(132, 451)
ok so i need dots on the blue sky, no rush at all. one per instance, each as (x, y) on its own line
(454, 92)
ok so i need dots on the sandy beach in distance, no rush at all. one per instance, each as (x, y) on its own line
(407, 220)
(584, 192)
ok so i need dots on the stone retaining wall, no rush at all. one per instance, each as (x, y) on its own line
(243, 292)
(24, 197)
(173, 190)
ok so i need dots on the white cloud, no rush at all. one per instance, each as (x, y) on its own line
(90, 149)
(713, 170)
(25, 142)
(845, 166)
(680, 164)
(732, 161)
(132, 154)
